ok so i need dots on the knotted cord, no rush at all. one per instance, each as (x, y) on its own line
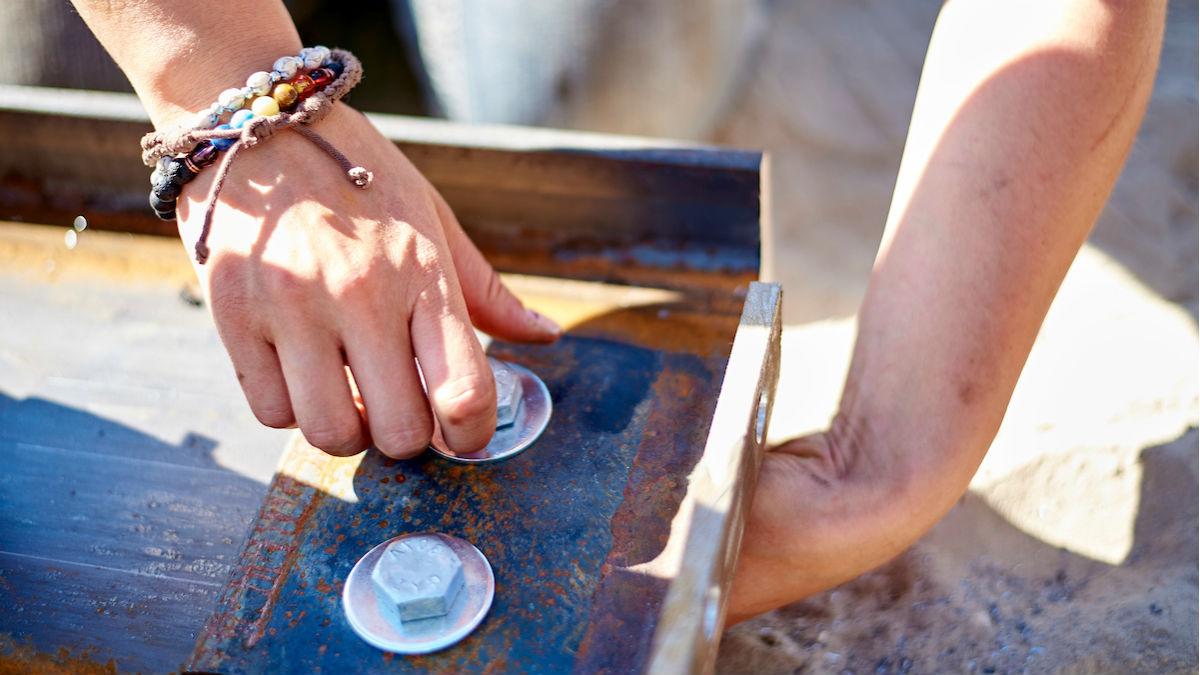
(158, 144)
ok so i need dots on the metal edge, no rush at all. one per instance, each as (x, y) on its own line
(720, 489)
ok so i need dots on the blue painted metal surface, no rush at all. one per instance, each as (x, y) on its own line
(561, 523)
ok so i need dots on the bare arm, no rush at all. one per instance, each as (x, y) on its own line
(1024, 116)
(306, 276)
(179, 55)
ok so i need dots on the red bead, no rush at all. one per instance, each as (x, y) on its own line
(321, 77)
(304, 85)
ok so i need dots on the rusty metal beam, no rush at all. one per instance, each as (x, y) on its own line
(554, 203)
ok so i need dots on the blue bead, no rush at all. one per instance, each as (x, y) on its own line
(240, 118)
(223, 144)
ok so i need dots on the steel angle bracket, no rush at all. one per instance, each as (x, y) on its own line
(721, 489)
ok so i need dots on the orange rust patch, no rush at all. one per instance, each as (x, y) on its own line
(25, 659)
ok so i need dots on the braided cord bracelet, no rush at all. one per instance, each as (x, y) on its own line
(291, 78)
(180, 154)
(168, 178)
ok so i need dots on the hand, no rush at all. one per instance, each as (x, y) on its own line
(829, 507)
(309, 275)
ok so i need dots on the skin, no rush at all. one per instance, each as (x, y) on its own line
(1025, 113)
(308, 276)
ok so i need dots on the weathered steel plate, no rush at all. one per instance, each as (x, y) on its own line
(561, 523)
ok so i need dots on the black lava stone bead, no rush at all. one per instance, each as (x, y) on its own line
(167, 190)
(179, 173)
(161, 205)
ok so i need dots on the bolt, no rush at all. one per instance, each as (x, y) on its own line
(508, 393)
(420, 576)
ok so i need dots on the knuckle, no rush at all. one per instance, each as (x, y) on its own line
(226, 271)
(340, 437)
(425, 253)
(495, 291)
(427, 260)
(471, 403)
(355, 283)
(283, 284)
(402, 442)
(274, 416)
(227, 296)
(229, 308)
(433, 298)
(420, 259)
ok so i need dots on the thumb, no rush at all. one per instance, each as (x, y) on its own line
(492, 307)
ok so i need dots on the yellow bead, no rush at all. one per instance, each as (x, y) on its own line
(285, 95)
(264, 106)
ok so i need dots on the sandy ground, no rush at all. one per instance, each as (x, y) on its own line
(1076, 548)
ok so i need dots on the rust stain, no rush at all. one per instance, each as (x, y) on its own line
(17, 658)
(271, 552)
(626, 604)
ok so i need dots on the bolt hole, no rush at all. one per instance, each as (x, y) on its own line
(712, 611)
(760, 421)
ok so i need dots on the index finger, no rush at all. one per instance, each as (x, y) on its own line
(458, 378)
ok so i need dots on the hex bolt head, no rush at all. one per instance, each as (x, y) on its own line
(375, 599)
(419, 577)
(508, 393)
(523, 410)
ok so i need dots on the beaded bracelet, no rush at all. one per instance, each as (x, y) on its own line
(292, 79)
(179, 154)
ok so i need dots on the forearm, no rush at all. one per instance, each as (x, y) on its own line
(1024, 117)
(1025, 113)
(180, 55)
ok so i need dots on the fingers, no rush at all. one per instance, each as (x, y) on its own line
(398, 415)
(492, 307)
(457, 375)
(254, 359)
(320, 394)
(259, 373)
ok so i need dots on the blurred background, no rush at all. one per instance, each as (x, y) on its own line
(1076, 547)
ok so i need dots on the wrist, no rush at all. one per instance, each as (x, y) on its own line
(174, 87)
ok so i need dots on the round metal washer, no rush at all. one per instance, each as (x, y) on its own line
(370, 619)
(532, 419)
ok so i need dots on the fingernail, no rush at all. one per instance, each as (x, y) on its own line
(544, 323)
